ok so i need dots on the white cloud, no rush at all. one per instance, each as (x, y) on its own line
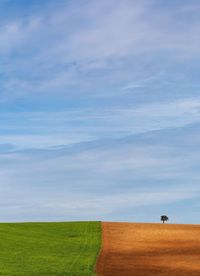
(46, 129)
(89, 56)
(94, 35)
(61, 183)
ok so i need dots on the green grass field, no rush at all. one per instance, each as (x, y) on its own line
(63, 248)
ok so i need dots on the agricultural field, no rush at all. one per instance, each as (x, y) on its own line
(72, 248)
(66, 248)
(149, 249)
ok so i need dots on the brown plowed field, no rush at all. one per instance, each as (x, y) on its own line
(131, 249)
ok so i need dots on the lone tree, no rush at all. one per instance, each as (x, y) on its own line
(164, 218)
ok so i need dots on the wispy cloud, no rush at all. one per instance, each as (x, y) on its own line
(98, 97)
(71, 181)
(62, 56)
(46, 129)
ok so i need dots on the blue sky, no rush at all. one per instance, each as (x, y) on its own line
(99, 110)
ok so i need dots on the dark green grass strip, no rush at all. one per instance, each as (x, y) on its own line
(65, 248)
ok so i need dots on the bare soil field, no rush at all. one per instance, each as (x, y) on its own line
(131, 249)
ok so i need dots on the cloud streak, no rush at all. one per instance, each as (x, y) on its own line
(99, 106)
(46, 129)
(61, 56)
(70, 181)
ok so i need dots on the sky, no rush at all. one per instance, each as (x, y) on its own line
(100, 110)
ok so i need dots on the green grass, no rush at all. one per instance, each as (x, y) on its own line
(63, 248)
